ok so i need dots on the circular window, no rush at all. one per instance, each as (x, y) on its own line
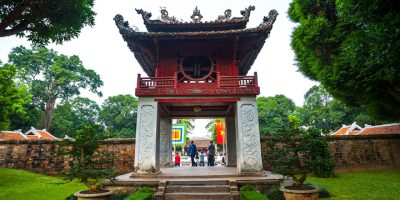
(196, 67)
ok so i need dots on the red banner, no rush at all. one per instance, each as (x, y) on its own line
(220, 129)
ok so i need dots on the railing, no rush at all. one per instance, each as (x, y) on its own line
(222, 81)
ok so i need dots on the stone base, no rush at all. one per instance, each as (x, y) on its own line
(145, 175)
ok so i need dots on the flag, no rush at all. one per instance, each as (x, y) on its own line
(179, 134)
(220, 129)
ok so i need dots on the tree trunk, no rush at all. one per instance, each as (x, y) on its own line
(48, 113)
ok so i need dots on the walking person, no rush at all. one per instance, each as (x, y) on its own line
(177, 160)
(192, 152)
(211, 153)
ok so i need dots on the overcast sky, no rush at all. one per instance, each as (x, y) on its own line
(102, 48)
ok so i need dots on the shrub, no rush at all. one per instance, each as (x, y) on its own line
(275, 194)
(249, 192)
(145, 193)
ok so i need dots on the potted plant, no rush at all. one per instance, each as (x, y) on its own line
(297, 152)
(90, 165)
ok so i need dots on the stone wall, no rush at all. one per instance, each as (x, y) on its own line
(40, 155)
(359, 152)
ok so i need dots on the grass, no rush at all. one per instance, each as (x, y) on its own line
(362, 185)
(20, 185)
(145, 193)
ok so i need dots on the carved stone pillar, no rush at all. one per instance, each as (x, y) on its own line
(165, 142)
(230, 141)
(147, 150)
(248, 146)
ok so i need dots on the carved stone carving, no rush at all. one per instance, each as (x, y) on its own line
(196, 16)
(166, 18)
(165, 141)
(122, 25)
(249, 134)
(146, 138)
(145, 15)
(227, 15)
(268, 21)
(246, 12)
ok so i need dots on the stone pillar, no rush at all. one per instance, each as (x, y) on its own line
(248, 148)
(147, 150)
(230, 141)
(165, 142)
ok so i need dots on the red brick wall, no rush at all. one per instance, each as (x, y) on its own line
(359, 152)
(39, 155)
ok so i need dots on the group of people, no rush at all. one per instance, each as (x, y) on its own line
(197, 159)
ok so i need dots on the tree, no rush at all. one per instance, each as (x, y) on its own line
(188, 122)
(51, 76)
(321, 110)
(119, 115)
(45, 21)
(352, 48)
(12, 97)
(71, 115)
(273, 113)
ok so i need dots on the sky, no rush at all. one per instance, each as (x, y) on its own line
(102, 48)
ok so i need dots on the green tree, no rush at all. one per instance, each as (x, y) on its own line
(69, 116)
(119, 115)
(352, 48)
(321, 110)
(51, 76)
(45, 21)
(273, 113)
(12, 97)
(188, 122)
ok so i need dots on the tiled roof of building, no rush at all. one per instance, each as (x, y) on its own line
(12, 135)
(39, 134)
(381, 129)
(354, 129)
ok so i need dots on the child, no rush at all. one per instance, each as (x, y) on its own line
(201, 159)
(177, 160)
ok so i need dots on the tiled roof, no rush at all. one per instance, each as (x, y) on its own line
(354, 129)
(39, 134)
(12, 135)
(381, 129)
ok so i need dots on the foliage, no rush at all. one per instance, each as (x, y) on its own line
(375, 185)
(249, 192)
(18, 184)
(90, 165)
(273, 113)
(275, 194)
(321, 110)
(45, 21)
(145, 193)
(211, 127)
(352, 48)
(12, 97)
(73, 114)
(300, 152)
(119, 115)
(51, 76)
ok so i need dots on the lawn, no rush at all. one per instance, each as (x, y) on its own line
(362, 185)
(19, 184)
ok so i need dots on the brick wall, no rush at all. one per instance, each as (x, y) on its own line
(39, 155)
(359, 152)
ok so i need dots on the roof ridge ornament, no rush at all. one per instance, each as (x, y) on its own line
(145, 15)
(227, 15)
(196, 16)
(268, 21)
(165, 17)
(246, 12)
(122, 25)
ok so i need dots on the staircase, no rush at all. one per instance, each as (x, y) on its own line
(197, 189)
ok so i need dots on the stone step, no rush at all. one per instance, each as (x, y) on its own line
(197, 188)
(198, 196)
(198, 182)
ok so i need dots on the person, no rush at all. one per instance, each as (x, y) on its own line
(201, 159)
(192, 152)
(196, 160)
(223, 160)
(211, 153)
(177, 160)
